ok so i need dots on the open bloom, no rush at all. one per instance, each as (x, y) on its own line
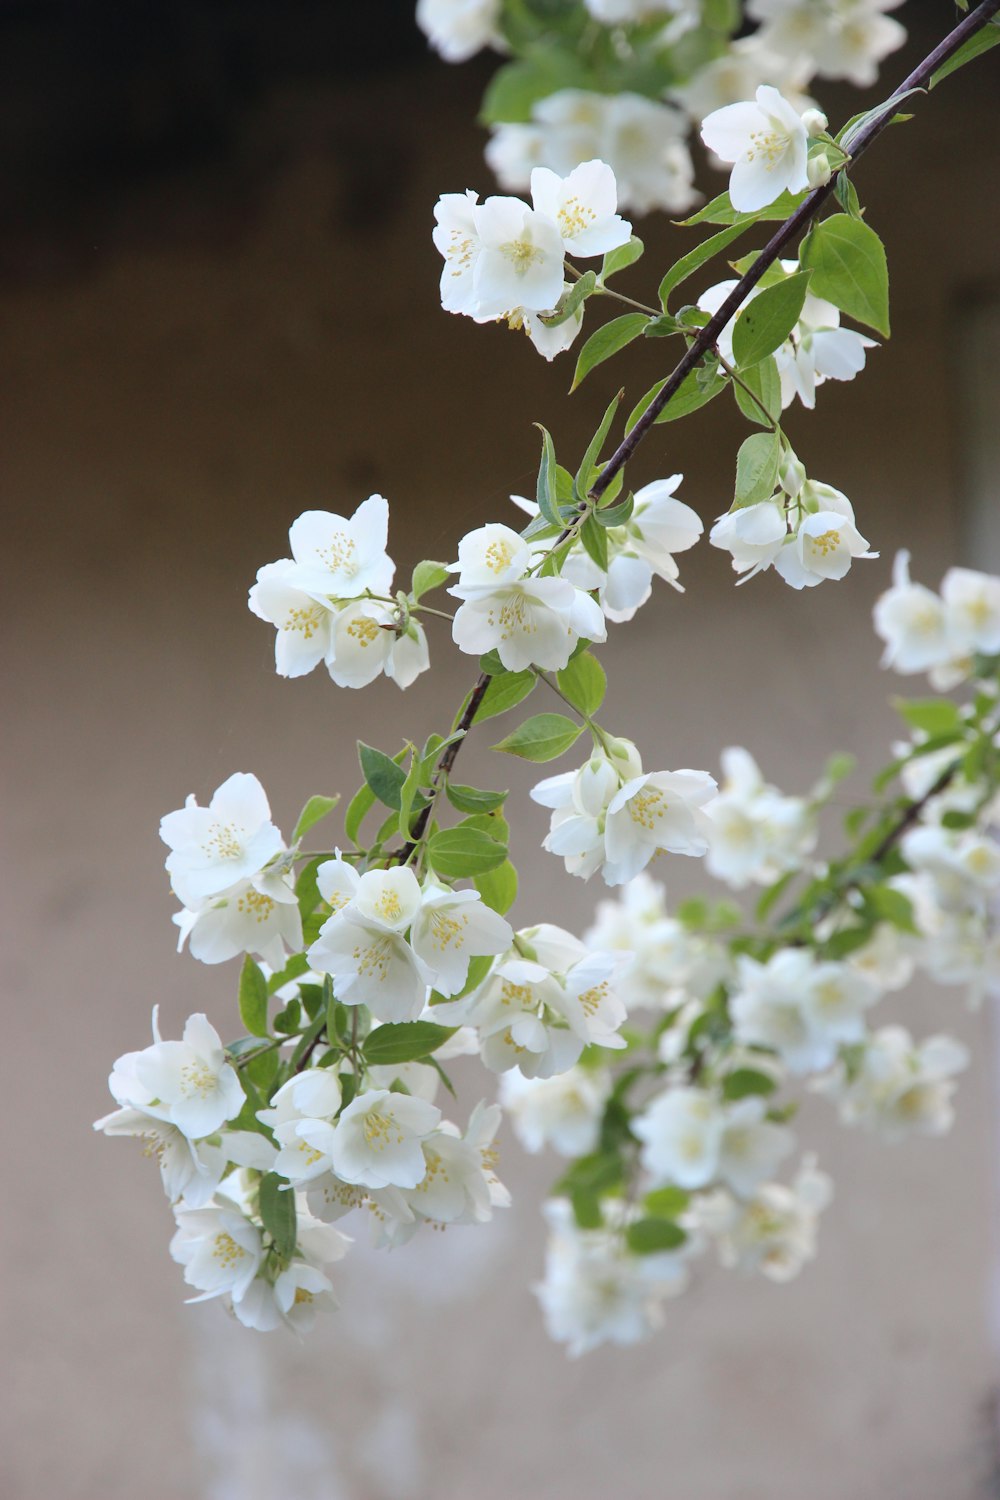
(450, 929)
(897, 1087)
(244, 919)
(520, 263)
(767, 143)
(459, 28)
(219, 1248)
(304, 625)
(826, 542)
(377, 1141)
(215, 847)
(754, 535)
(692, 1139)
(188, 1083)
(663, 810)
(583, 206)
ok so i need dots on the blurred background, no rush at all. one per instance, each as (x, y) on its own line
(219, 305)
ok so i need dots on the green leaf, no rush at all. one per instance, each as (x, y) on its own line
(277, 1212)
(358, 808)
(584, 682)
(890, 905)
(931, 715)
(653, 1236)
(473, 799)
(690, 395)
(263, 1069)
(408, 792)
(757, 468)
(253, 998)
(616, 515)
(404, 1042)
(479, 967)
(595, 542)
(607, 340)
(498, 887)
(296, 965)
(316, 808)
(597, 1173)
(307, 888)
(847, 196)
(617, 260)
(455, 853)
(696, 258)
(289, 1019)
(427, 576)
(721, 211)
(514, 88)
(975, 46)
(742, 1083)
(849, 269)
(383, 775)
(765, 383)
(504, 693)
(570, 301)
(546, 493)
(765, 323)
(666, 1202)
(586, 473)
(542, 737)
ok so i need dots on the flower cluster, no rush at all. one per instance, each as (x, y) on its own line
(942, 633)
(505, 261)
(330, 601)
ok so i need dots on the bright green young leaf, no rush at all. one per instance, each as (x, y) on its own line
(584, 682)
(586, 1208)
(253, 998)
(695, 259)
(570, 301)
(457, 853)
(931, 715)
(595, 542)
(692, 394)
(607, 340)
(546, 493)
(307, 888)
(721, 211)
(383, 775)
(358, 808)
(498, 887)
(616, 515)
(296, 965)
(504, 693)
(624, 255)
(277, 1211)
(765, 323)
(587, 471)
(408, 792)
(514, 88)
(427, 576)
(263, 1069)
(764, 384)
(473, 799)
(847, 260)
(975, 46)
(404, 1041)
(541, 738)
(316, 808)
(757, 468)
(651, 1236)
(666, 1202)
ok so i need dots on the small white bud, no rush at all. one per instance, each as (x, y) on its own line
(819, 170)
(792, 474)
(815, 121)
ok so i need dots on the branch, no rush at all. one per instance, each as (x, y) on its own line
(790, 230)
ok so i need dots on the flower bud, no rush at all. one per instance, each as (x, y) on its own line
(818, 170)
(815, 121)
(625, 757)
(792, 474)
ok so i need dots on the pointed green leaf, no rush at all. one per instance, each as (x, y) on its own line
(541, 738)
(546, 493)
(653, 1236)
(498, 887)
(606, 341)
(357, 809)
(404, 1041)
(975, 46)
(765, 384)
(695, 259)
(316, 808)
(625, 255)
(765, 323)
(848, 265)
(584, 682)
(253, 998)
(504, 693)
(461, 853)
(757, 468)
(595, 542)
(277, 1211)
(427, 576)
(472, 799)
(382, 774)
(570, 301)
(587, 471)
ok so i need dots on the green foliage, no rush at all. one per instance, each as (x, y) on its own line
(625, 255)
(542, 737)
(385, 777)
(665, 1202)
(847, 260)
(472, 799)
(570, 301)
(253, 998)
(742, 1083)
(721, 211)
(974, 46)
(588, 470)
(316, 808)
(457, 853)
(757, 468)
(277, 1211)
(505, 691)
(546, 492)
(653, 1236)
(695, 259)
(584, 682)
(406, 1041)
(765, 323)
(595, 542)
(358, 809)
(930, 715)
(498, 887)
(606, 341)
(764, 384)
(427, 576)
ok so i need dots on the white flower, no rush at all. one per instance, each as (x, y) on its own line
(644, 143)
(756, 832)
(548, 339)
(972, 605)
(307, 1098)
(766, 142)
(562, 1112)
(841, 38)
(457, 239)
(292, 1300)
(664, 962)
(459, 28)
(691, 1139)
(754, 534)
(367, 640)
(518, 1014)
(734, 76)
(243, 920)
(304, 626)
(911, 619)
(188, 1083)
(528, 621)
(818, 349)
(452, 927)
(801, 1009)
(338, 558)
(594, 1291)
(826, 542)
(520, 263)
(663, 810)
(580, 800)
(775, 1232)
(362, 945)
(897, 1088)
(215, 847)
(377, 1140)
(583, 206)
(459, 1186)
(219, 1248)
